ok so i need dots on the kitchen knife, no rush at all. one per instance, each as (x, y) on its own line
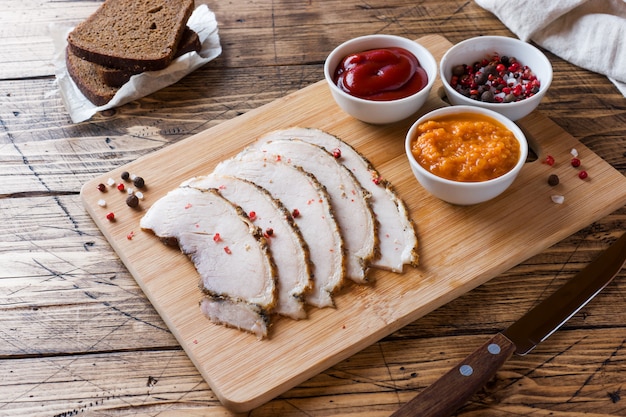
(453, 389)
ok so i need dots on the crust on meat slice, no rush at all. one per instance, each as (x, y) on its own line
(289, 250)
(300, 193)
(397, 236)
(350, 201)
(228, 251)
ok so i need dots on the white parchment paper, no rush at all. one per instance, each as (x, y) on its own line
(202, 21)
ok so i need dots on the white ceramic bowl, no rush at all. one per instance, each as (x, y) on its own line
(474, 49)
(380, 112)
(465, 193)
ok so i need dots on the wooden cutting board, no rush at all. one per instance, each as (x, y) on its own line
(460, 247)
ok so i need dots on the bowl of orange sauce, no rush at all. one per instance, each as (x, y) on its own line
(464, 154)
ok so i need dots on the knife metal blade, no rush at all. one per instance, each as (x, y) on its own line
(453, 389)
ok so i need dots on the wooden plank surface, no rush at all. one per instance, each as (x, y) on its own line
(460, 247)
(79, 337)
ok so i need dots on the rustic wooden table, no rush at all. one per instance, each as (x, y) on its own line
(77, 335)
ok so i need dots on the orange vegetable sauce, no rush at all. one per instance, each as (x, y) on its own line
(466, 147)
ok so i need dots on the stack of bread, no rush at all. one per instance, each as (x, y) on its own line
(127, 37)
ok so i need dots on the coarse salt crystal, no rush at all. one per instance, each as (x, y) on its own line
(139, 195)
(111, 182)
(574, 152)
(558, 199)
(130, 191)
(102, 203)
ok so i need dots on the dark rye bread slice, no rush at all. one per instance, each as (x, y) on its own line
(116, 77)
(88, 79)
(135, 35)
(91, 79)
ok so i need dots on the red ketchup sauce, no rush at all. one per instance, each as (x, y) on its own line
(381, 74)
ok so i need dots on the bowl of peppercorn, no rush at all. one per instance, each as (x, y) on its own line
(498, 73)
(380, 78)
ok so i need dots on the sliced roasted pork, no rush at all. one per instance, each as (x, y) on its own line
(229, 252)
(307, 200)
(244, 316)
(397, 237)
(349, 200)
(289, 250)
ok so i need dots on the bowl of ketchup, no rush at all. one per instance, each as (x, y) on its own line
(380, 79)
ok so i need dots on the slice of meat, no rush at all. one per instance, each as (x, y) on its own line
(397, 236)
(349, 200)
(243, 316)
(228, 251)
(289, 250)
(300, 193)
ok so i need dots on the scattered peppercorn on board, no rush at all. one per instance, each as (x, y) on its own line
(460, 247)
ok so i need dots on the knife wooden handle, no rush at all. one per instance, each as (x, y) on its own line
(453, 389)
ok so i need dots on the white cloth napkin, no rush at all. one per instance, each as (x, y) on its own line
(202, 21)
(588, 33)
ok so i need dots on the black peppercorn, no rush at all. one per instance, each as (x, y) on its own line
(138, 182)
(458, 70)
(509, 98)
(482, 78)
(491, 69)
(553, 180)
(132, 201)
(487, 96)
(125, 175)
